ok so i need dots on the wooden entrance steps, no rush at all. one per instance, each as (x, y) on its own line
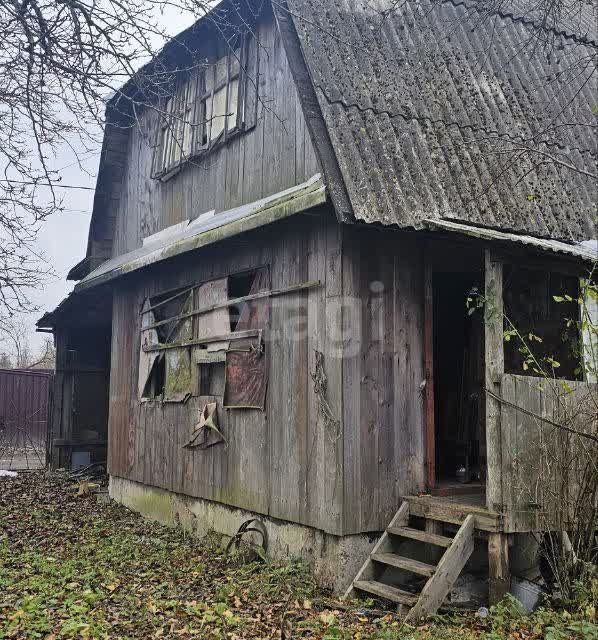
(441, 576)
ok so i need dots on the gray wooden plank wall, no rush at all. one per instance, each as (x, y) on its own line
(541, 463)
(274, 155)
(282, 462)
(382, 370)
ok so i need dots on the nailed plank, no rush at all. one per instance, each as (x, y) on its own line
(264, 292)
(386, 591)
(407, 564)
(450, 566)
(455, 513)
(420, 536)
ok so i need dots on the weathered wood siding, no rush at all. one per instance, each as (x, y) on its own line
(272, 156)
(542, 464)
(383, 410)
(283, 462)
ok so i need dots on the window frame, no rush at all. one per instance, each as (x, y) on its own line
(200, 348)
(191, 91)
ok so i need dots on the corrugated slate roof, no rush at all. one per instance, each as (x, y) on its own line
(425, 102)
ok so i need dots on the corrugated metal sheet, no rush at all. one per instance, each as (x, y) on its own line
(24, 404)
(587, 251)
(422, 99)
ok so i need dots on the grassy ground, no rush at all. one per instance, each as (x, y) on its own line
(72, 568)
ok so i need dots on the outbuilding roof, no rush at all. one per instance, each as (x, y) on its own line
(445, 109)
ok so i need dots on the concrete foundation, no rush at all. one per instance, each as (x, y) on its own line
(334, 560)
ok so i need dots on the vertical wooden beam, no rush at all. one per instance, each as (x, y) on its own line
(494, 369)
(499, 572)
(429, 373)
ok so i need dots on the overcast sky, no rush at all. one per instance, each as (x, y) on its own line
(63, 239)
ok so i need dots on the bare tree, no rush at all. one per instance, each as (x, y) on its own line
(60, 61)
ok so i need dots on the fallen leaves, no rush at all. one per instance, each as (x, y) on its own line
(73, 568)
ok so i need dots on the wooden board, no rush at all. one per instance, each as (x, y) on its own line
(450, 566)
(383, 371)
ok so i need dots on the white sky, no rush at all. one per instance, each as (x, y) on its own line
(63, 238)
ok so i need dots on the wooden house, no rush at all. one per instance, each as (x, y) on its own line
(271, 318)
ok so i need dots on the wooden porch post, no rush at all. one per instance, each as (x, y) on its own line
(498, 545)
(499, 572)
(429, 373)
(494, 369)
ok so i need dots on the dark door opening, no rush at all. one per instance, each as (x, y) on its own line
(459, 432)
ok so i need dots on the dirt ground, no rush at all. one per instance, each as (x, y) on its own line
(71, 567)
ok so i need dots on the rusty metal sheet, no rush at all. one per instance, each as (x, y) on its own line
(246, 380)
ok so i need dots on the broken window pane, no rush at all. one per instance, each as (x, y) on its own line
(165, 374)
(253, 314)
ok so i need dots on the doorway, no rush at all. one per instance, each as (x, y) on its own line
(458, 365)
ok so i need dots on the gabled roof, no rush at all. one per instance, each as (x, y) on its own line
(422, 99)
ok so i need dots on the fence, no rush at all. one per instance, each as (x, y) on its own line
(24, 411)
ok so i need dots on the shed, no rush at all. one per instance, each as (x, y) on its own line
(284, 265)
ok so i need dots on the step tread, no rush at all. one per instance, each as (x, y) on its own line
(422, 536)
(386, 591)
(408, 564)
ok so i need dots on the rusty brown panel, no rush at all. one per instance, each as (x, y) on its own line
(246, 380)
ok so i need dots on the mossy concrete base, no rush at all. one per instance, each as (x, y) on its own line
(335, 560)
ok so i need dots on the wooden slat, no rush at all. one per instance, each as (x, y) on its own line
(386, 591)
(233, 302)
(407, 564)
(453, 512)
(421, 536)
(450, 566)
(225, 337)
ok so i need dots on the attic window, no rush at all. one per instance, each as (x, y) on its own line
(207, 107)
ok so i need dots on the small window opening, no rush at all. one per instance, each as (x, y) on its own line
(239, 285)
(211, 379)
(542, 310)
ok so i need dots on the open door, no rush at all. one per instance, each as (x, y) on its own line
(455, 432)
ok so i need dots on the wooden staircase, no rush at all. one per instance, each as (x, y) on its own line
(441, 575)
